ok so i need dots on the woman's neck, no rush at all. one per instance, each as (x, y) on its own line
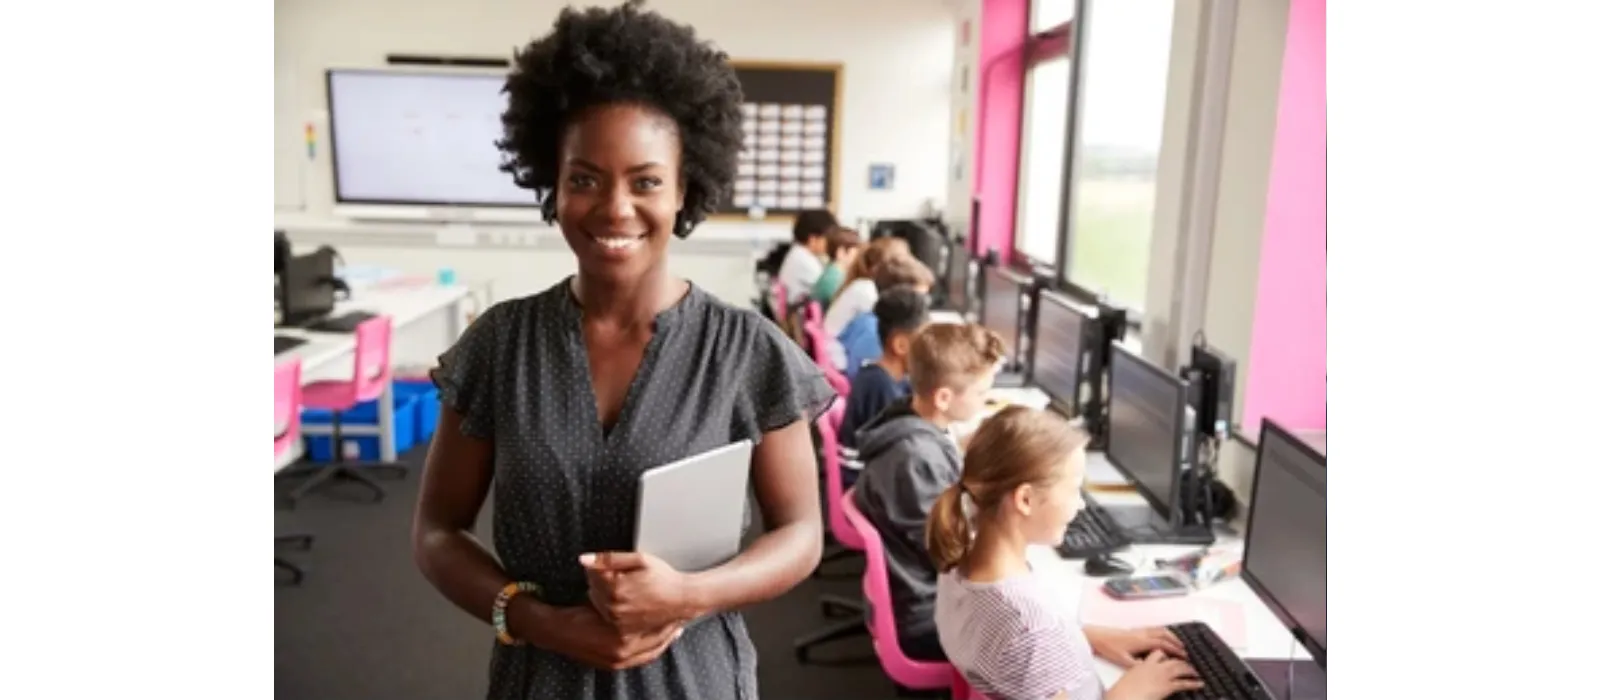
(997, 552)
(638, 301)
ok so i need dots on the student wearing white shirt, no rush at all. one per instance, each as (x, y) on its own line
(802, 265)
(859, 292)
(857, 301)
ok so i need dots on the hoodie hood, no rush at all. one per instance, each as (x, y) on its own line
(896, 425)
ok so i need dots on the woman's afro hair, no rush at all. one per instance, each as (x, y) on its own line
(624, 54)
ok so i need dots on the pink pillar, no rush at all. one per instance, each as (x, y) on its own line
(999, 126)
(1289, 341)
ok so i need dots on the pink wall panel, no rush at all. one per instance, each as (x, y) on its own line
(1289, 339)
(1000, 68)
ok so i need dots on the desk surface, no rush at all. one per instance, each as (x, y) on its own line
(1264, 636)
(404, 305)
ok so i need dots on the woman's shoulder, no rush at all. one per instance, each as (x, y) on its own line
(538, 307)
(732, 327)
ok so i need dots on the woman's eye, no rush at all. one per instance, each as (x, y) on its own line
(647, 183)
(581, 181)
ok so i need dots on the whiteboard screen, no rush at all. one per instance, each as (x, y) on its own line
(419, 138)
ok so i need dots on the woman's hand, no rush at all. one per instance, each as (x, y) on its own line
(1123, 647)
(581, 634)
(1154, 678)
(638, 592)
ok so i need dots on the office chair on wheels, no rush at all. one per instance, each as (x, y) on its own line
(286, 413)
(372, 374)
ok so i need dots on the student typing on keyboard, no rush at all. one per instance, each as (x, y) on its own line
(1006, 629)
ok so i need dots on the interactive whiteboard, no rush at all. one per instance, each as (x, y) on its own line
(419, 138)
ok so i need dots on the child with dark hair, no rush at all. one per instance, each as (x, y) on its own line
(900, 313)
(802, 265)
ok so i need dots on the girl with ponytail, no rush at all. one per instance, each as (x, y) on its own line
(1008, 631)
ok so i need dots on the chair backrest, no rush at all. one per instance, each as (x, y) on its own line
(833, 478)
(817, 338)
(813, 312)
(373, 370)
(880, 616)
(780, 301)
(286, 404)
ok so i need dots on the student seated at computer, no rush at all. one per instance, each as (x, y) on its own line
(802, 265)
(900, 313)
(844, 245)
(1009, 631)
(859, 292)
(858, 343)
(910, 459)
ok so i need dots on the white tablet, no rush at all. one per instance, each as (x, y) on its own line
(692, 512)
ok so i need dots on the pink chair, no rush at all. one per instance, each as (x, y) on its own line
(780, 301)
(906, 672)
(817, 338)
(847, 542)
(371, 377)
(286, 424)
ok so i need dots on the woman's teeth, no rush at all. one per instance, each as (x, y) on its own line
(619, 243)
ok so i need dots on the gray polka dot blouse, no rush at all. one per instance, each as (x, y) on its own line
(712, 374)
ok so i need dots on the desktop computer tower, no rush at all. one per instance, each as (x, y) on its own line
(1218, 376)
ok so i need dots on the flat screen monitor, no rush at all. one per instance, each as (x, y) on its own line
(419, 138)
(1286, 539)
(960, 279)
(1059, 352)
(307, 293)
(1144, 436)
(1002, 307)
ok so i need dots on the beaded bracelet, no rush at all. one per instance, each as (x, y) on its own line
(499, 614)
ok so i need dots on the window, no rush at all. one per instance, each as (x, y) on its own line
(1046, 14)
(1121, 108)
(1044, 146)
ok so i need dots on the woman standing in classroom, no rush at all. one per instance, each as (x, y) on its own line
(630, 127)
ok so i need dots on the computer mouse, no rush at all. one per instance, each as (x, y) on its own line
(1106, 565)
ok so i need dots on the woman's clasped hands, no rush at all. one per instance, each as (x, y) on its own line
(638, 606)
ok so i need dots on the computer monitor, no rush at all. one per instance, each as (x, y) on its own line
(1060, 353)
(960, 281)
(307, 287)
(1286, 538)
(1145, 436)
(281, 251)
(1002, 309)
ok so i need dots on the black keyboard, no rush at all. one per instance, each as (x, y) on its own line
(1223, 672)
(282, 344)
(344, 323)
(1092, 533)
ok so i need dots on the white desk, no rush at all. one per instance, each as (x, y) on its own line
(328, 356)
(1265, 637)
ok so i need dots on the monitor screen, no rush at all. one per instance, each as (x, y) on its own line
(958, 278)
(1286, 540)
(1002, 304)
(419, 138)
(1058, 350)
(1145, 428)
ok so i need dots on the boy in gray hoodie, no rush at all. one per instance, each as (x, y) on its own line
(911, 457)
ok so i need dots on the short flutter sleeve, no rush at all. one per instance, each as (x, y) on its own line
(466, 373)
(780, 384)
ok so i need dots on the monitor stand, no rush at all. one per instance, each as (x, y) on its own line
(1143, 526)
(1309, 681)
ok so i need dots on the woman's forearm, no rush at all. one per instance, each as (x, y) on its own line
(462, 569)
(775, 563)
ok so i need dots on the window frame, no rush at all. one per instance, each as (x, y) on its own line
(1045, 45)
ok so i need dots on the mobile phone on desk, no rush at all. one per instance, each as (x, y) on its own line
(1142, 587)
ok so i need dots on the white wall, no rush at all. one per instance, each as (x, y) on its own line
(897, 57)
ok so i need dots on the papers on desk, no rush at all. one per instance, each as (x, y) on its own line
(1226, 617)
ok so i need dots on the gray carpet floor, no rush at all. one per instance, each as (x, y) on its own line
(365, 625)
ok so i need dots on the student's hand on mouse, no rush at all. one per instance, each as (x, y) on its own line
(637, 592)
(1123, 647)
(584, 636)
(1155, 678)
